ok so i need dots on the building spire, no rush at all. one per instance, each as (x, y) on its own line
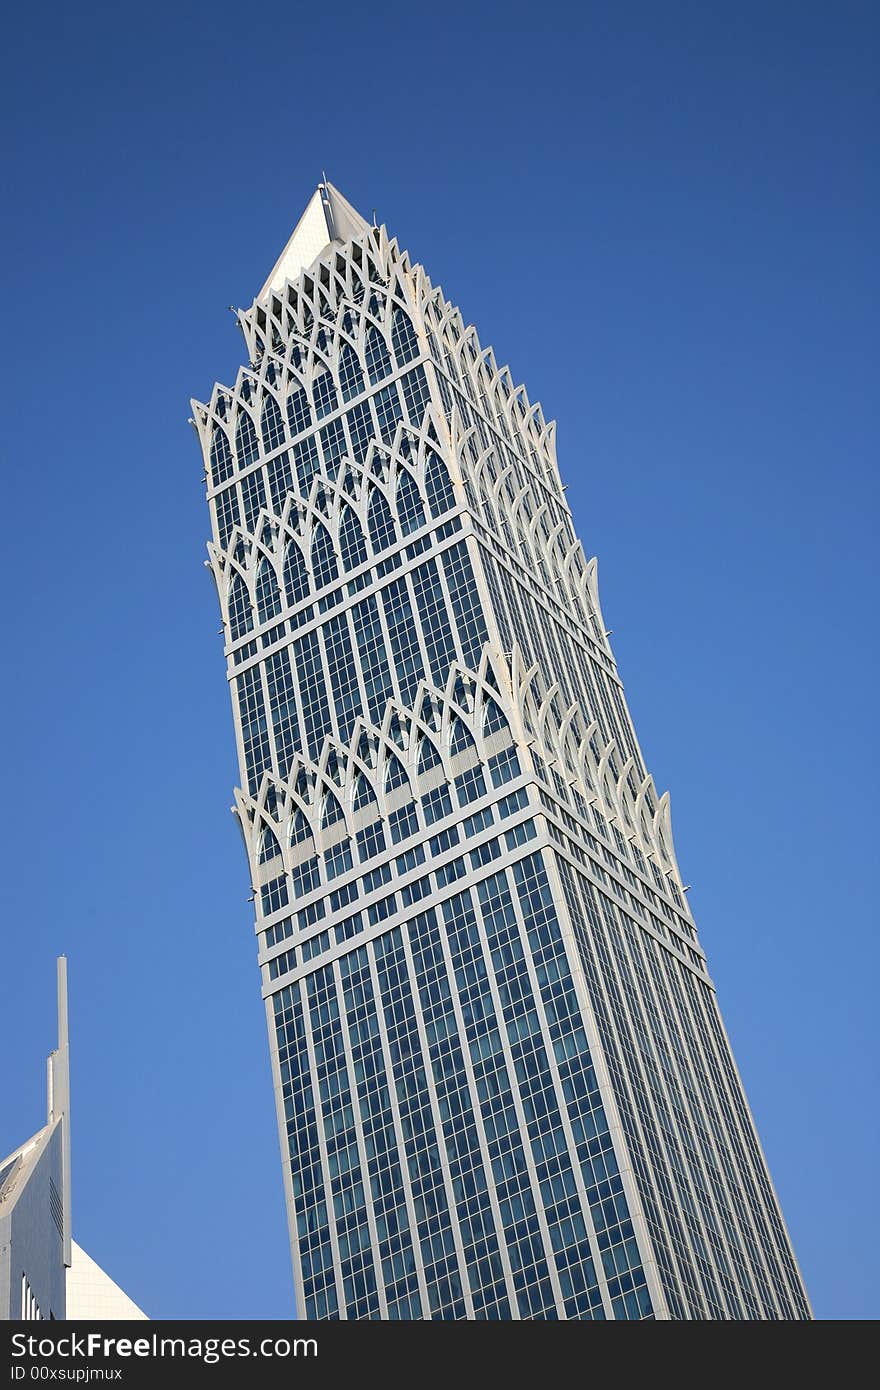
(59, 1098)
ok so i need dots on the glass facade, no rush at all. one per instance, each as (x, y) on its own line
(503, 1085)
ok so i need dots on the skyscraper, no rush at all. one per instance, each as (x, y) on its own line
(504, 1089)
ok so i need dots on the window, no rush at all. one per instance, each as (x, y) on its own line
(388, 412)
(351, 539)
(273, 895)
(269, 846)
(363, 793)
(410, 512)
(299, 829)
(395, 774)
(370, 841)
(316, 946)
(377, 878)
(470, 786)
(341, 897)
(514, 802)
(351, 378)
(377, 357)
(271, 425)
(403, 337)
(403, 635)
(331, 811)
(360, 428)
(348, 928)
(240, 616)
(477, 822)
(485, 853)
(268, 595)
(324, 394)
(253, 496)
(405, 863)
(384, 908)
(428, 756)
(493, 718)
(520, 834)
(305, 457)
(436, 804)
(373, 658)
(333, 445)
(221, 457)
(465, 603)
(504, 766)
(280, 481)
(438, 486)
(449, 873)
(416, 395)
(304, 877)
(252, 716)
(403, 823)
(338, 859)
(324, 567)
(226, 505)
(413, 892)
(296, 579)
(444, 841)
(245, 440)
(380, 522)
(299, 413)
(460, 740)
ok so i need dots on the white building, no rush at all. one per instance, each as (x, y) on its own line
(44, 1274)
(504, 1088)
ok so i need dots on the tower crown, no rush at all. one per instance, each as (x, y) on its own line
(328, 217)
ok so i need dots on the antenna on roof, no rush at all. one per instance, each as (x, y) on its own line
(59, 1102)
(328, 206)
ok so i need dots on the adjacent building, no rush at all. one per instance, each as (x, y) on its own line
(44, 1274)
(504, 1088)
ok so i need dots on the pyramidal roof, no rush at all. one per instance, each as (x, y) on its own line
(328, 217)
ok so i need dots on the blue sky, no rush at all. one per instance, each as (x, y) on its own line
(665, 217)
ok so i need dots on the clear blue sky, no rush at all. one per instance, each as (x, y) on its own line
(665, 217)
